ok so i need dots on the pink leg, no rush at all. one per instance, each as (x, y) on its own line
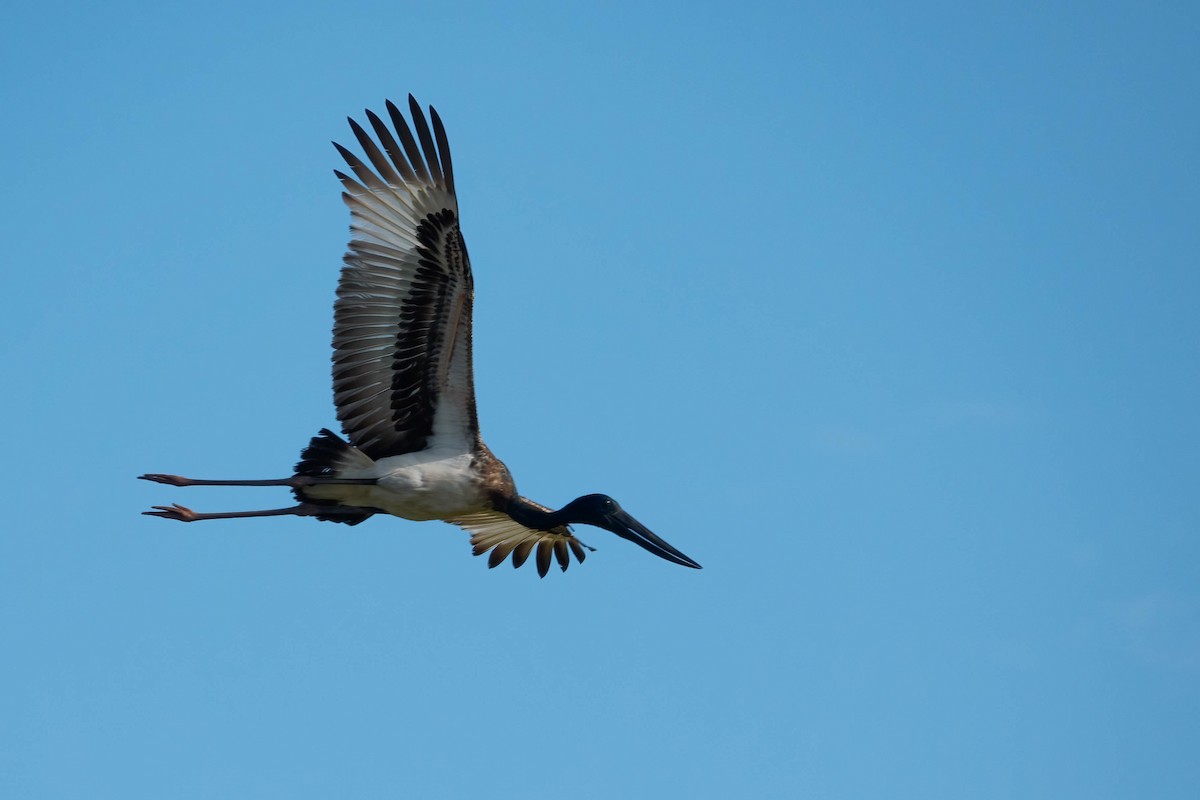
(176, 480)
(295, 481)
(181, 513)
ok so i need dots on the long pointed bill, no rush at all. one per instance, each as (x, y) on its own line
(625, 526)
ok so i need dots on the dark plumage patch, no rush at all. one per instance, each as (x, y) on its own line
(323, 454)
(321, 458)
(422, 331)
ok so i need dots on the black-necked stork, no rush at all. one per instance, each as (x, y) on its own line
(402, 377)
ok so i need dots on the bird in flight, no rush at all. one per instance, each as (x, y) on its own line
(402, 375)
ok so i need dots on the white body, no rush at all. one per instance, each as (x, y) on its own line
(431, 484)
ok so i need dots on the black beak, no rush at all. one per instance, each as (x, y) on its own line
(625, 526)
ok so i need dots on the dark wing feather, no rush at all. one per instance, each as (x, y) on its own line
(402, 379)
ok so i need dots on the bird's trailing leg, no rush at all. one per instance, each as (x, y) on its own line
(324, 511)
(182, 514)
(296, 481)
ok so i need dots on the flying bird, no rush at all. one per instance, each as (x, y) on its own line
(402, 374)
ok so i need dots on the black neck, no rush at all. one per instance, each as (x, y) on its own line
(532, 515)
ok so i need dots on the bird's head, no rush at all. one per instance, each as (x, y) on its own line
(604, 512)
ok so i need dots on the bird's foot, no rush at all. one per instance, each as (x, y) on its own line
(173, 511)
(170, 480)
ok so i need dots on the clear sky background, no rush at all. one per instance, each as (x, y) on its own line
(885, 313)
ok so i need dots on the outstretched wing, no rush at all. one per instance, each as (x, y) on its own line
(495, 531)
(402, 378)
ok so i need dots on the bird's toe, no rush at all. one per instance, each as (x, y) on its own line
(173, 511)
(170, 480)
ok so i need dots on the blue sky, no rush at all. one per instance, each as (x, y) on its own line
(886, 314)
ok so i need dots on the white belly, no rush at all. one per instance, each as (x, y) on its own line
(417, 486)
